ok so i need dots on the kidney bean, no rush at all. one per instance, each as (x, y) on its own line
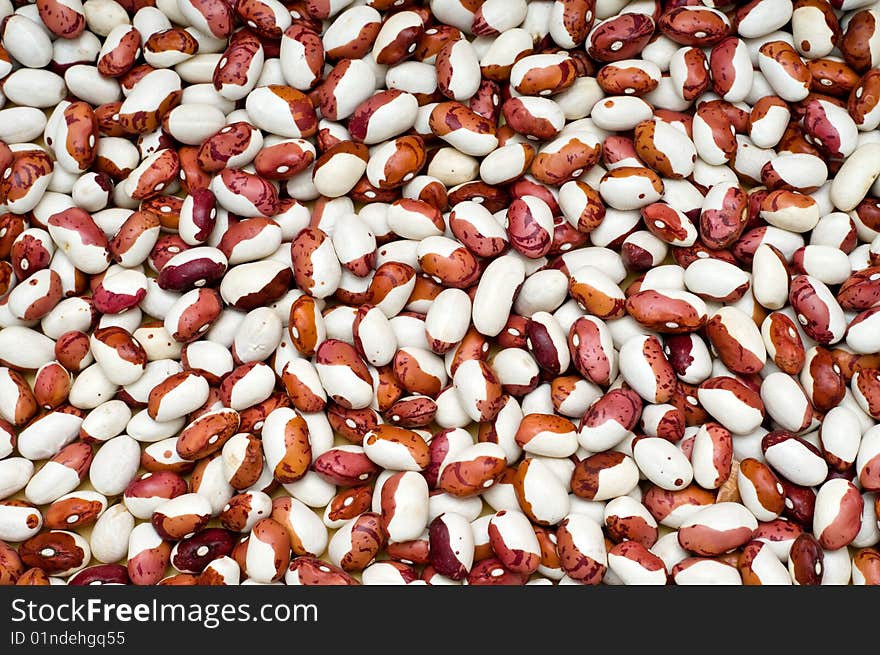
(662, 463)
(620, 37)
(837, 518)
(355, 545)
(60, 475)
(243, 511)
(581, 548)
(627, 519)
(759, 565)
(449, 283)
(20, 520)
(671, 508)
(802, 462)
(806, 561)
(311, 571)
(57, 552)
(181, 516)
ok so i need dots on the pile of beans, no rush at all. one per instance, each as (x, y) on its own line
(459, 291)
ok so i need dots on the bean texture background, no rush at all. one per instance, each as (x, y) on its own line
(439, 292)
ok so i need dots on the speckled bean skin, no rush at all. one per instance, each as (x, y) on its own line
(27, 169)
(62, 20)
(806, 561)
(620, 37)
(207, 434)
(55, 552)
(312, 571)
(121, 58)
(100, 575)
(346, 467)
(579, 565)
(244, 50)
